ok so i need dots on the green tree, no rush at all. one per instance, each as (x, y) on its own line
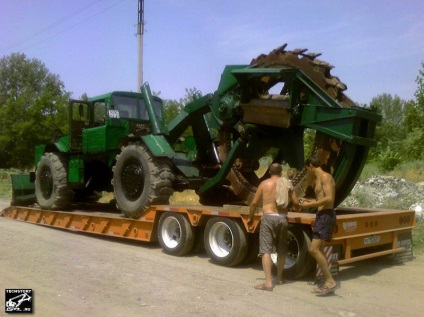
(413, 144)
(173, 108)
(390, 131)
(84, 97)
(32, 107)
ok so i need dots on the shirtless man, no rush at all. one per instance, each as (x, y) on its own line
(274, 224)
(324, 222)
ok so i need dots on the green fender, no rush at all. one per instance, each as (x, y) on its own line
(158, 146)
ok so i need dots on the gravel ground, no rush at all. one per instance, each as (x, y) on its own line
(82, 275)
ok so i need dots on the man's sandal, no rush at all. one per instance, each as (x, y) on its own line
(263, 287)
(324, 290)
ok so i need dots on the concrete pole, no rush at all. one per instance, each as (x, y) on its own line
(140, 32)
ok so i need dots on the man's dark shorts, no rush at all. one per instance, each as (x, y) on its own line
(273, 234)
(324, 224)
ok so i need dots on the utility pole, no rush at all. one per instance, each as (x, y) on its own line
(140, 32)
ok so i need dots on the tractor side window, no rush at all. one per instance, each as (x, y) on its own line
(99, 112)
(158, 108)
(80, 120)
(81, 112)
(144, 113)
(143, 110)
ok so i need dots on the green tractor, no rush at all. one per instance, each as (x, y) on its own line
(107, 149)
(118, 142)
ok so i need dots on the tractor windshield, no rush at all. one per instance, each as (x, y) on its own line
(134, 108)
(127, 107)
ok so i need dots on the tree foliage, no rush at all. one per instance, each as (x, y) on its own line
(173, 108)
(32, 107)
(392, 109)
(400, 135)
(413, 145)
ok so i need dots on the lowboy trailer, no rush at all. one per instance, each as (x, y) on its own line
(359, 234)
(271, 108)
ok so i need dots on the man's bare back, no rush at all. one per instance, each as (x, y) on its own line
(267, 189)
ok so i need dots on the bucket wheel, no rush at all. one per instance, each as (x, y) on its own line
(242, 180)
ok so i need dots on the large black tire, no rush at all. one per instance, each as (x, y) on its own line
(225, 241)
(299, 261)
(51, 182)
(175, 234)
(140, 180)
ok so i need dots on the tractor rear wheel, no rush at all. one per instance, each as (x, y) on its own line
(51, 182)
(140, 180)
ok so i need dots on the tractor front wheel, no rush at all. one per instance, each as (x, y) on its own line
(140, 180)
(51, 182)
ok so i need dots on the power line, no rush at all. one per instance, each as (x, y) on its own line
(57, 23)
(48, 27)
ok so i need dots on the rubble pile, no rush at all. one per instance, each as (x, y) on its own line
(387, 192)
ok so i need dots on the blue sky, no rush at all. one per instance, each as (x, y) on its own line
(376, 46)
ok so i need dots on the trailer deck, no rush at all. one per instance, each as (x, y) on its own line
(359, 233)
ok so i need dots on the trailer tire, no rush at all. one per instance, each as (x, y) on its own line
(175, 234)
(51, 182)
(225, 241)
(140, 180)
(299, 261)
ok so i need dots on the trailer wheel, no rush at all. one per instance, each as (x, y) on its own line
(225, 241)
(176, 235)
(298, 262)
(51, 182)
(140, 180)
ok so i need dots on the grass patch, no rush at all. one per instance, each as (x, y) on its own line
(369, 171)
(411, 171)
(6, 183)
(418, 238)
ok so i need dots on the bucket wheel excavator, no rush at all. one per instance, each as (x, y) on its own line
(286, 106)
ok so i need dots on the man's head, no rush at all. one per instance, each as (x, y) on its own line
(313, 161)
(275, 169)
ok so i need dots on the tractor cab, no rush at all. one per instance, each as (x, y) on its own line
(98, 123)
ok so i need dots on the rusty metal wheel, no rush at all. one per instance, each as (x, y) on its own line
(242, 179)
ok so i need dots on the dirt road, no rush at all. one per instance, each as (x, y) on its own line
(81, 275)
